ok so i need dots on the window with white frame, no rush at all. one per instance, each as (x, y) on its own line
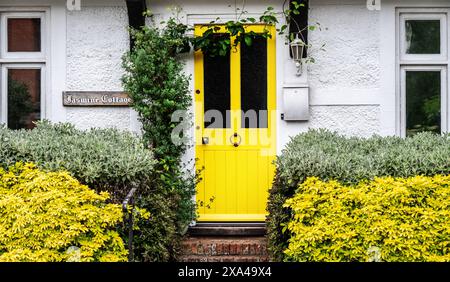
(423, 63)
(22, 64)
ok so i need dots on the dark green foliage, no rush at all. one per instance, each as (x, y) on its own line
(330, 156)
(155, 80)
(157, 240)
(212, 44)
(19, 104)
(423, 104)
(423, 36)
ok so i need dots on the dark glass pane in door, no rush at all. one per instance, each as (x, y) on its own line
(254, 84)
(423, 101)
(217, 99)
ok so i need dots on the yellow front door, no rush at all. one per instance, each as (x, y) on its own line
(235, 108)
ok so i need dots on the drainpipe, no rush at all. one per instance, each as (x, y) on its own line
(136, 18)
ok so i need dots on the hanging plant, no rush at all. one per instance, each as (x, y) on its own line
(213, 43)
(219, 38)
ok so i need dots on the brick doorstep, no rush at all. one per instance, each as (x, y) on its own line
(227, 249)
(198, 258)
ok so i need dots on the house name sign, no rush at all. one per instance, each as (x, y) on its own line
(95, 99)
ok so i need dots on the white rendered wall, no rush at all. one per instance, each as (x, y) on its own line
(345, 79)
(345, 82)
(352, 84)
(97, 38)
(84, 53)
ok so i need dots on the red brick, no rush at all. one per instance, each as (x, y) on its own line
(207, 249)
(193, 248)
(252, 249)
(258, 249)
(213, 249)
(233, 249)
(238, 249)
(245, 249)
(226, 249)
(200, 249)
(219, 249)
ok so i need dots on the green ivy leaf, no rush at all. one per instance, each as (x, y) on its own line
(248, 40)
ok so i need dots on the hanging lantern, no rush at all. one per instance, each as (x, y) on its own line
(297, 46)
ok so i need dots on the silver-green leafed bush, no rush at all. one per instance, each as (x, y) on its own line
(104, 159)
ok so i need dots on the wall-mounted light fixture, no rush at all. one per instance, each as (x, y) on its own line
(73, 5)
(374, 5)
(297, 46)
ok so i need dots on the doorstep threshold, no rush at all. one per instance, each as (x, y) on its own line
(227, 229)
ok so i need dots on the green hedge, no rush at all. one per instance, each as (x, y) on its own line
(105, 160)
(386, 219)
(330, 156)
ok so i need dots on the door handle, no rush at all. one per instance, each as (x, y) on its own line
(205, 140)
(233, 140)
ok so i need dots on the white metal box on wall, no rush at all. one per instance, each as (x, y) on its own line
(296, 103)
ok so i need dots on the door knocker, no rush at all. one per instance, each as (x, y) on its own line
(233, 139)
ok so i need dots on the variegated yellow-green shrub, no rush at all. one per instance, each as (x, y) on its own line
(387, 219)
(50, 216)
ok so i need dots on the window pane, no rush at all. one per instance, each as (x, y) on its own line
(24, 97)
(423, 36)
(423, 101)
(254, 84)
(24, 35)
(217, 100)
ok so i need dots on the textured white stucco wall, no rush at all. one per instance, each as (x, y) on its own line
(97, 37)
(344, 81)
(359, 121)
(349, 64)
(351, 37)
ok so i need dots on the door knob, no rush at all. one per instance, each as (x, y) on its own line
(205, 140)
